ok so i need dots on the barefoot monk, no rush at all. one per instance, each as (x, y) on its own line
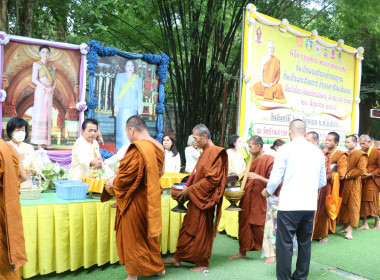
(205, 200)
(137, 191)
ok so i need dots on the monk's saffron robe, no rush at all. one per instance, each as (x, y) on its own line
(321, 221)
(138, 213)
(12, 243)
(352, 189)
(254, 207)
(199, 229)
(271, 74)
(371, 185)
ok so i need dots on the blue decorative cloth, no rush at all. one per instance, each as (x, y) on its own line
(105, 154)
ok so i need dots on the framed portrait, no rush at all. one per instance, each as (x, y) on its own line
(123, 85)
(43, 81)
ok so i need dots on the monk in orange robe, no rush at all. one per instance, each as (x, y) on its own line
(349, 213)
(137, 191)
(371, 183)
(339, 165)
(253, 204)
(321, 218)
(12, 243)
(205, 196)
(269, 87)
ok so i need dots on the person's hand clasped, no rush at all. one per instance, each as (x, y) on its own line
(184, 195)
(265, 193)
(96, 163)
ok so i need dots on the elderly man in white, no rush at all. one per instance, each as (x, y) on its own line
(85, 153)
(300, 166)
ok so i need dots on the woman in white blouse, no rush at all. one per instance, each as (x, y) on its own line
(236, 163)
(191, 154)
(172, 157)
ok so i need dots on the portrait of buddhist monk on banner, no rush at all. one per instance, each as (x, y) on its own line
(124, 87)
(42, 85)
(269, 88)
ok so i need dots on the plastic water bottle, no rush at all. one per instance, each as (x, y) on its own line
(206, 272)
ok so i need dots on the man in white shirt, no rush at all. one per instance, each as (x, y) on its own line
(300, 166)
(85, 153)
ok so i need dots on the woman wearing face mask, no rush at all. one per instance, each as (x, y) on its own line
(17, 131)
(236, 163)
(172, 157)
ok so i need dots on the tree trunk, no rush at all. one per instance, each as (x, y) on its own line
(4, 16)
(26, 16)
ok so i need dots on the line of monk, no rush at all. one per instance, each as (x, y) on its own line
(137, 192)
(354, 175)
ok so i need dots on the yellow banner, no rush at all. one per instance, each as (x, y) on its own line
(289, 73)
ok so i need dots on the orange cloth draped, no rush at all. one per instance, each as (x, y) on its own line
(322, 220)
(271, 74)
(138, 214)
(254, 207)
(12, 243)
(198, 229)
(352, 189)
(340, 159)
(371, 186)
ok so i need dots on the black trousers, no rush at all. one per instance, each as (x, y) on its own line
(288, 224)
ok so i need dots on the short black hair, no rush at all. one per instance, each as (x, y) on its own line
(257, 140)
(353, 138)
(137, 122)
(335, 135)
(14, 123)
(86, 121)
(43, 47)
(232, 140)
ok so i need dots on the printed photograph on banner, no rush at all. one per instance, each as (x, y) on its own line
(292, 77)
(42, 85)
(269, 88)
(124, 87)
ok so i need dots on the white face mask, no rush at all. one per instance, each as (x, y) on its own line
(19, 136)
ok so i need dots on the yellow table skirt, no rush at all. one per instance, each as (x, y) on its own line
(229, 221)
(169, 179)
(67, 236)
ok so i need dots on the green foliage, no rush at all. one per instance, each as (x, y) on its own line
(203, 41)
(51, 172)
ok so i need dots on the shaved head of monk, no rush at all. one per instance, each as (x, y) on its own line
(312, 137)
(297, 128)
(332, 141)
(136, 128)
(255, 145)
(350, 143)
(365, 142)
(202, 136)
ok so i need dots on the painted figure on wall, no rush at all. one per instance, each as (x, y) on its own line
(127, 100)
(43, 76)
